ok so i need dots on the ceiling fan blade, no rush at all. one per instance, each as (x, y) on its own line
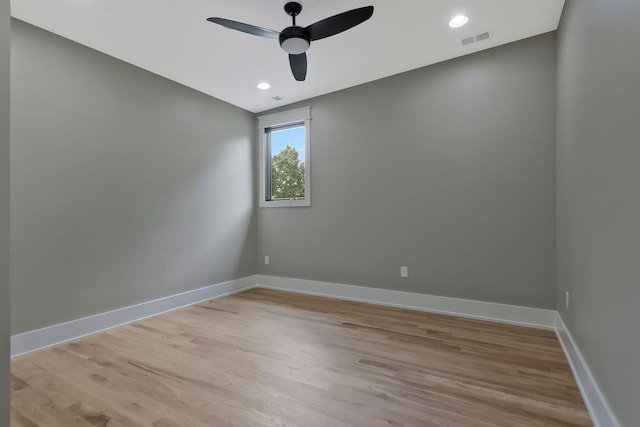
(298, 66)
(245, 28)
(339, 23)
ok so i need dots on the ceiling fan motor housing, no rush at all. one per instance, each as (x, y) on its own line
(295, 40)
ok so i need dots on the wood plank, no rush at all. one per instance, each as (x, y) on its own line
(264, 358)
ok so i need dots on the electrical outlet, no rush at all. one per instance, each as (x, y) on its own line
(404, 272)
(266, 260)
(566, 300)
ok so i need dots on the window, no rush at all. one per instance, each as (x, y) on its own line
(285, 158)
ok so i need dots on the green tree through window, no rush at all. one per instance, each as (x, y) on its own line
(287, 174)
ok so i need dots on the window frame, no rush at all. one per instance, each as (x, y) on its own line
(299, 116)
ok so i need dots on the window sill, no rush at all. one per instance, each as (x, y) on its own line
(285, 203)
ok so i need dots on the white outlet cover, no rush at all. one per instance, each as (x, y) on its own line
(404, 272)
(266, 260)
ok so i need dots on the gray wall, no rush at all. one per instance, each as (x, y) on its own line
(449, 170)
(599, 192)
(125, 186)
(4, 213)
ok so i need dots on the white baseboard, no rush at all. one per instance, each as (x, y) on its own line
(599, 409)
(63, 332)
(57, 334)
(526, 316)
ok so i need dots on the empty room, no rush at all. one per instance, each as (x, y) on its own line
(319, 213)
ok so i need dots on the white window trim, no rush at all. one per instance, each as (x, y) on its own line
(300, 115)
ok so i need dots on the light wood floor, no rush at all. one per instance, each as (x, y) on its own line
(267, 358)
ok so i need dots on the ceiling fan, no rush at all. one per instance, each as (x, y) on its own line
(295, 40)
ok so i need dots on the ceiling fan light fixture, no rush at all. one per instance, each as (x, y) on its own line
(458, 21)
(294, 40)
(295, 45)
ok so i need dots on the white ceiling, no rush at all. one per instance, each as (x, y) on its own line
(173, 39)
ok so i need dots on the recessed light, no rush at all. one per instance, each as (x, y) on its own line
(458, 21)
(263, 85)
